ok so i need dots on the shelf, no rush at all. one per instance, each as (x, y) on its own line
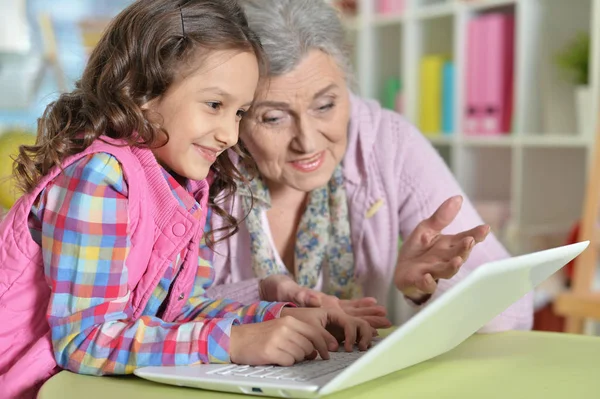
(504, 140)
(434, 11)
(442, 139)
(487, 4)
(539, 168)
(446, 152)
(527, 141)
(389, 48)
(547, 98)
(485, 174)
(388, 19)
(554, 141)
(552, 181)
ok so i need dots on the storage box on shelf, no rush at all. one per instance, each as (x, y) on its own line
(537, 167)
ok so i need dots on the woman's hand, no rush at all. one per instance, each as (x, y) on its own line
(428, 255)
(281, 288)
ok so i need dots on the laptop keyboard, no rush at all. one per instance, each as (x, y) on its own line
(303, 371)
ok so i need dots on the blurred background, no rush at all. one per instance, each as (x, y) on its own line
(506, 90)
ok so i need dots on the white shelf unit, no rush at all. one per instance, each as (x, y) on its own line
(538, 170)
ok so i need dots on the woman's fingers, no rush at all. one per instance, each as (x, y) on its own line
(375, 316)
(358, 303)
(361, 312)
(377, 321)
(426, 284)
(444, 253)
(306, 297)
(478, 233)
(442, 217)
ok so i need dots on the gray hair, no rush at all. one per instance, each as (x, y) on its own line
(289, 29)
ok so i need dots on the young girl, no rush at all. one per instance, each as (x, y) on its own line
(99, 261)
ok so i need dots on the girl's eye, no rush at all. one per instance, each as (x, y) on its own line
(240, 114)
(214, 105)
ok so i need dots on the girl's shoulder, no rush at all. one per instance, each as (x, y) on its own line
(92, 172)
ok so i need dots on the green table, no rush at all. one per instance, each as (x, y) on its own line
(508, 365)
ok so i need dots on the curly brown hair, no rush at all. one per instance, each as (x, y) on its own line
(136, 60)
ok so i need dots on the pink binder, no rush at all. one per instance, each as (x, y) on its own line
(390, 6)
(499, 59)
(475, 79)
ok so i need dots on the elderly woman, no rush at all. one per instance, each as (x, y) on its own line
(339, 181)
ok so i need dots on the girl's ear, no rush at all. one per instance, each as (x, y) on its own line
(150, 104)
(151, 110)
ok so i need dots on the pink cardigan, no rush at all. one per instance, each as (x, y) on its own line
(387, 160)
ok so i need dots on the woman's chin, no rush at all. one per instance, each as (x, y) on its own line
(308, 182)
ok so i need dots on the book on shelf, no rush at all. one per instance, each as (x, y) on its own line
(489, 75)
(390, 6)
(430, 117)
(448, 96)
(499, 80)
(392, 95)
(473, 108)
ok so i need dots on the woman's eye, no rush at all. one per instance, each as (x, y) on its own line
(272, 117)
(326, 107)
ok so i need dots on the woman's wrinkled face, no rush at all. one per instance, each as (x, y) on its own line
(298, 127)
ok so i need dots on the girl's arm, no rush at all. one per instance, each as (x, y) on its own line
(85, 242)
(201, 305)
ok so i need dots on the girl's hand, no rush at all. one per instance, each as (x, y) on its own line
(299, 334)
(347, 329)
(428, 255)
(281, 288)
(282, 341)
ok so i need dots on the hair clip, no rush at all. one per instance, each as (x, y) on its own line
(182, 24)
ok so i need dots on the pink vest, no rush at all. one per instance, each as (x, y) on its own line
(160, 230)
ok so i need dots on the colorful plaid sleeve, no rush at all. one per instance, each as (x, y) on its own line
(85, 242)
(199, 307)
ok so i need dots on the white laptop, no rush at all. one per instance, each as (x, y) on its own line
(439, 327)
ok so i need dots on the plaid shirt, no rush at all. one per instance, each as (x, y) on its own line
(81, 221)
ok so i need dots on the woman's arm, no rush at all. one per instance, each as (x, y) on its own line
(246, 291)
(426, 183)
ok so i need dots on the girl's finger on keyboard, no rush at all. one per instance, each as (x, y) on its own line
(283, 358)
(300, 340)
(317, 335)
(350, 329)
(366, 333)
(294, 347)
(312, 356)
